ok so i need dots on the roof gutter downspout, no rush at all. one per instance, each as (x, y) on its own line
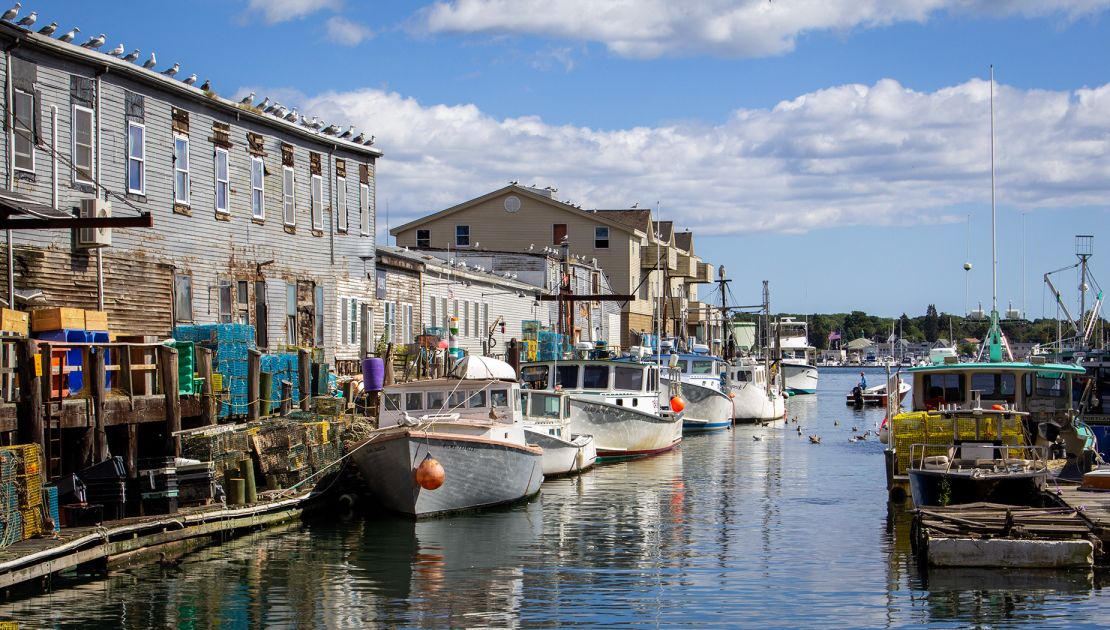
(99, 194)
(9, 126)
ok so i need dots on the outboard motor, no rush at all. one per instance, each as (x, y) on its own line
(857, 396)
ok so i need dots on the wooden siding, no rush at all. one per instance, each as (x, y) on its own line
(197, 242)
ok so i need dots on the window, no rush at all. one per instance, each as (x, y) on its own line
(457, 399)
(291, 313)
(82, 145)
(1048, 384)
(462, 236)
(943, 388)
(392, 402)
(319, 308)
(225, 302)
(994, 386)
(703, 367)
(595, 377)
(414, 401)
(24, 120)
(341, 203)
(406, 323)
(242, 301)
(546, 405)
(364, 209)
(601, 237)
(432, 312)
(463, 330)
(628, 378)
(558, 233)
(344, 337)
(535, 376)
(390, 320)
(258, 200)
(435, 401)
(316, 192)
(181, 170)
(423, 239)
(477, 320)
(136, 158)
(261, 317)
(223, 181)
(478, 399)
(567, 376)
(288, 196)
(183, 297)
(499, 398)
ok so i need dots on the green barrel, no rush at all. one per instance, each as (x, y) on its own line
(265, 393)
(236, 491)
(246, 471)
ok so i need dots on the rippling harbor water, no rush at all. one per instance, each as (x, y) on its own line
(725, 531)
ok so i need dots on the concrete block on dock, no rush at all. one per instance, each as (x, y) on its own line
(1010, 553)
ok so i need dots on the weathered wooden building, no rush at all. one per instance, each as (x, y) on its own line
(257, 219)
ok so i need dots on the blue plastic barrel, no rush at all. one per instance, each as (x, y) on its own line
(373, 374)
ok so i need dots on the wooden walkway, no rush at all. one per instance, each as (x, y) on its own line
(1093, 505)
(38, 558)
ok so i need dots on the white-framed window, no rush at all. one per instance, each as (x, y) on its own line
(601, 237)
(291, 313)
(390, 321)
(136, 158)
(225, 302)
(354, 323)
(406, 323)
(477, 320)
(316, 194)
(181, 169)
(223, 182)
(432, 312)
(364, 209)
(82, 152)
(462, 236)
(464, 315)
(289, 195)
(341, 203)
(343, 331)
(258, 198)
(23, 114)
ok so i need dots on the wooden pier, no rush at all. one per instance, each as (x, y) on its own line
(122, 541)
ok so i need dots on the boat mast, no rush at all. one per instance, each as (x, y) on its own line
(995, 342)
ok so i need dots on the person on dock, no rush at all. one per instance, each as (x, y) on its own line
(862, 381)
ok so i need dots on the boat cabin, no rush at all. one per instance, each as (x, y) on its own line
(740, 375)
(598, 376)
(446, 399)
(1041, 389)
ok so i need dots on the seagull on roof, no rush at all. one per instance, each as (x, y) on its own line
(131, 56)
(292, 116)
(29, 20)
(68, 36)
(273, 106)
(331, 129)
(172, 70)
(264, 104)
(150, 63)
(48, 29)
(95, 42)
(359, 138)
(10, 14)
(247, 100)
(280, 111)
(317, 124)
(206, 86)
(118, 50)
(348, 133)
(190, 80)
(369, 142)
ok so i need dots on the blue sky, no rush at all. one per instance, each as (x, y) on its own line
(833, 147)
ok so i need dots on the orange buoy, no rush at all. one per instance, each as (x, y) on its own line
(998, 408)
(677, 404)
(430, 474)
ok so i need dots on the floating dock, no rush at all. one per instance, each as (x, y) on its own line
(125, 540)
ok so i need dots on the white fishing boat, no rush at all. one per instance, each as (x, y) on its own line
(451, 444)
(546, 417)
(617, 402)
(797, 357)
(697, 380)
(875, 396)
(754, 398)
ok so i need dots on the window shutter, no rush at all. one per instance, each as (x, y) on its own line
(180, 121)
(221, 135)
(286, 154)
(341, 168)
(314, 164)
(256, 144)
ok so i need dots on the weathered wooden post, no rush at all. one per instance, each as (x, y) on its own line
(167, 373)
(254, 367)
(207, 388)
(87, 453)
(98, 389)
(124, 376)
(514, 355)
(286, 404)
(304, 370)
(388, 361)
(29, 426)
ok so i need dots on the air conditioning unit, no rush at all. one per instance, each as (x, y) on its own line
(95, 237)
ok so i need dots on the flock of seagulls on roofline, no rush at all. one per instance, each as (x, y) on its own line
(265, 106)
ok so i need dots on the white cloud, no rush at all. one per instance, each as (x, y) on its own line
(728, 28)
(344, 31)
(276, 11)
(848, 155)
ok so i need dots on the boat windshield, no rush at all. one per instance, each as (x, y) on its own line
(435, 401)
(499, 398)
(629, 378)
(546, 406)
(994, 386)
(414, 401)
(535, 376)
(595, 377)
(566, 376)
(477, 399)
(392, 402)
(703, 367)
(742, 376)
(1045, 384)
(681, 365)
(943, 388)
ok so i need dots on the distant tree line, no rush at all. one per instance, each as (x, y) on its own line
(929, 327)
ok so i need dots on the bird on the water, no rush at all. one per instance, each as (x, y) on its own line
(167, 562)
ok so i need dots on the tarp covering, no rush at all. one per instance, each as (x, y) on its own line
(483, 368)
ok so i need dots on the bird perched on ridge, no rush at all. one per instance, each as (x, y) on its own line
(247, 100)
(348, 133)
(68, 36)
(10, 14)
(206, 86)
(118, 50)
(131, 56)
(271, 108)
(359, 138)
(48, 29)
(27, 21)
(292, 116)
(369, 142)
(331, 129)
(264, 104)
(190, 80)
(150, 63)
(280, 111)
(172, 70)
(95, 42)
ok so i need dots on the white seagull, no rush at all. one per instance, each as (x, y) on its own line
(94, 42)
(118, 50)
(347, 134)
(150, 63)
(29, 20)
(247, 100)
(292, 116)
(359, 138)
(172, 70)
(10, 14)
(69, 35)
(48, 29)
(131, 56)
(264, 104)
(191, 79)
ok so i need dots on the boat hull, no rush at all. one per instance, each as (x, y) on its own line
(753, 404)
(928, 488)
(622, 432)
(800, 378)
(563, 457)
(480, 472)
(706, 409)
